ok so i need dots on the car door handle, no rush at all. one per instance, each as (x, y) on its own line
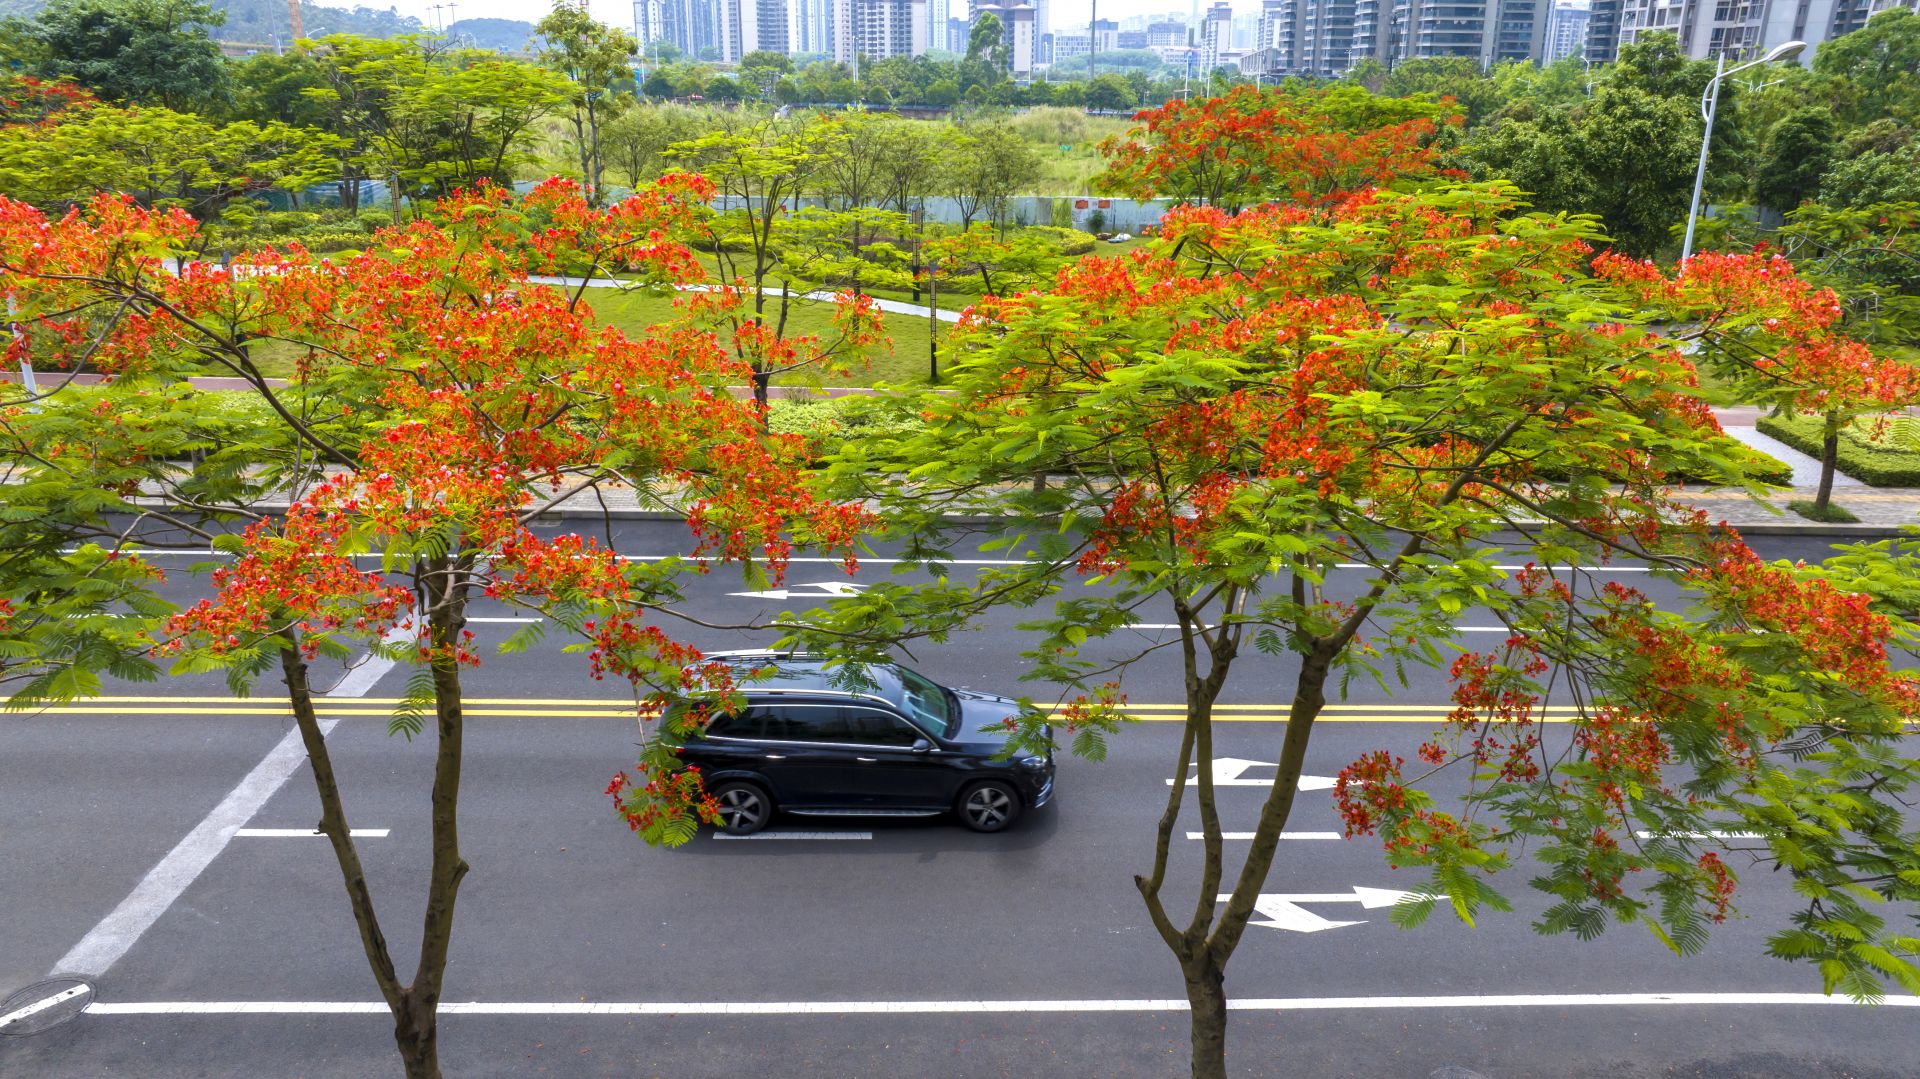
(776, 756)
(866, 760)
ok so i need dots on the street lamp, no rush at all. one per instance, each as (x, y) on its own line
(1710, 104)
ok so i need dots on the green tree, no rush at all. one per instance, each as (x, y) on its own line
(280, 86)
(990, 164)
(1627, 155)
(1796, 154)
(1873, 178)
(762, 166)
(765, 69)
(1878, 68)
(1110, 92)
(983, 39)
(593, 56)
(144, 51)
(162, 158)
(428, 119)
(636, 140)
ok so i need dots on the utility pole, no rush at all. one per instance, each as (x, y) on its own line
(1093, 40)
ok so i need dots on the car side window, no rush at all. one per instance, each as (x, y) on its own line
(873, 727)
(729, 725)
(803, 723)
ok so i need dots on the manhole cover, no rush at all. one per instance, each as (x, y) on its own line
(44, 1005)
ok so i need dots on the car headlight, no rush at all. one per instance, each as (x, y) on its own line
(1034, 762)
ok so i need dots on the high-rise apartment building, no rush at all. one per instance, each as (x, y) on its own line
(1215, 31)
(1567, 30)
(688, 25)
(875, 29)
(1735, 29)
(1016, 32)
(1603, 32)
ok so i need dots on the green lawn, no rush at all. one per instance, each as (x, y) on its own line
(905, 361)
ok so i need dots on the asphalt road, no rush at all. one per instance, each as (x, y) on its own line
(894, 948)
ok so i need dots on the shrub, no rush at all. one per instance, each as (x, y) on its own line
(827, 422)
(1884, 452)
(1066, 241)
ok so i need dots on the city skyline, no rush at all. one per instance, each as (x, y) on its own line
(1065, 13)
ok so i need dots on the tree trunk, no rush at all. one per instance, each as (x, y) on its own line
(762, 385)
(416, 1027)
(1829, 460)
(333, 824)
(586, 163)
(933, 324)
(1207, 999)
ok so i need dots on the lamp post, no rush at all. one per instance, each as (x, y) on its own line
(1709, 105)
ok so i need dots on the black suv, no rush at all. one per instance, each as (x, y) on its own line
(883, 741)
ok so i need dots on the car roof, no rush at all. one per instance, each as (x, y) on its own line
(769, 672)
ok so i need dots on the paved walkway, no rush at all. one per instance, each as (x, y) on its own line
(892, 307)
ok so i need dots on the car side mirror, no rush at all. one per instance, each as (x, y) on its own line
(921, 745)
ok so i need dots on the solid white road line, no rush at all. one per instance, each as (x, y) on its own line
(923, 1007)
(107, 942)
(1283, 835)
(295, 833)
(20, 1015)
(1699, 835)
(797, 835)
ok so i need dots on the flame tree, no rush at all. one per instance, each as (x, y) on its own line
(440, 403)
(1425, 387)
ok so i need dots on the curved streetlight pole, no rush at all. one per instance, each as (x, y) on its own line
(1709, 105)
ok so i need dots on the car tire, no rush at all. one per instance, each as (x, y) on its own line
(745, 808)
(992, 806)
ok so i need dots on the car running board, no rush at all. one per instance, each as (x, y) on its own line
(865, 812)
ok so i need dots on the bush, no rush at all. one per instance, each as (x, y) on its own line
(1066, 241)
(1874, 450)
(372, 220)
(825, 423)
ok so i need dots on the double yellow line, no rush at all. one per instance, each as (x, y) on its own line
(604, 708)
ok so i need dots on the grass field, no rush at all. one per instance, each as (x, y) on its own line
(903, 361)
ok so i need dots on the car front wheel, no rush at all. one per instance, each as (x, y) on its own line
(744, 808)
(989, 807)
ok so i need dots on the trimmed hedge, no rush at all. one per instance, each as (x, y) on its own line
(1888, 460)
(827, 422)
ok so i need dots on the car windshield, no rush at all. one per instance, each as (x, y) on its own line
(926, 703)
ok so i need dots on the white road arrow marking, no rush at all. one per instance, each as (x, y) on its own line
(827, 590)
(1284, 911)
(1230, 772)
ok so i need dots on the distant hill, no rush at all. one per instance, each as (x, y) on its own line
(511, 35)
(261, 21)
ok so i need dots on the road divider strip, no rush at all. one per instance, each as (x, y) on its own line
(982, 1007)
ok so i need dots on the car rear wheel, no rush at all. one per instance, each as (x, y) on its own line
(989, 807)
(744, 808)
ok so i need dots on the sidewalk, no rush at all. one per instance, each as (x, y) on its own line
(892, 307)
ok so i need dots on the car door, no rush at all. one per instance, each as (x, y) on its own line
(888, 772)
(806, 754)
